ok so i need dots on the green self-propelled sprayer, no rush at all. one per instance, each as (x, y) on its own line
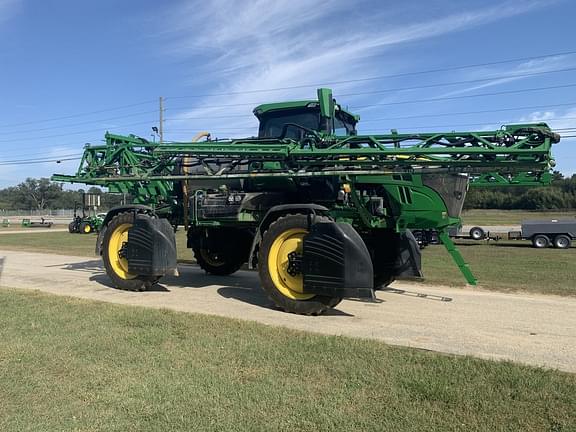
(322, 212)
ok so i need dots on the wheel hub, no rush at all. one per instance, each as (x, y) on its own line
(123, 250)
(285, 264)
(294, 264)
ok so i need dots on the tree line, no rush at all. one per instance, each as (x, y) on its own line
(560, 195)
(42, 194)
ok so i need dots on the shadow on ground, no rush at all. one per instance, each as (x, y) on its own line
(92, 266)
(243, 286)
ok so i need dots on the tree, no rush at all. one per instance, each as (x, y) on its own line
(557, 175)
(37, 193)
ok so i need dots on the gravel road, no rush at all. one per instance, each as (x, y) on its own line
(33, 230)
(532, 329)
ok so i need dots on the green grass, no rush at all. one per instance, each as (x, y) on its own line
(503, 266)
(510, 217)
(68, 364)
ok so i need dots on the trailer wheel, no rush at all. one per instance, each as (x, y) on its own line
(562, 241)
(116, 265)
(477, 233)
(219, 263)
(85, 228)
(285, 289)
(540, 241)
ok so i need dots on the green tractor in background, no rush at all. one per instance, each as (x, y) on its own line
(87, 223)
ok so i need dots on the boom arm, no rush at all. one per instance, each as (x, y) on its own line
(490, 157)
(513, 155)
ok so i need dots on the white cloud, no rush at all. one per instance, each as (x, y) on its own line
(247, 46)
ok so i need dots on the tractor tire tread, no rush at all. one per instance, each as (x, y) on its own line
(313, 306)
(139, 283)
(226, 269)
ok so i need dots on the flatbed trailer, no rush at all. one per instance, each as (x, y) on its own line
(558, 233)
(42, 223)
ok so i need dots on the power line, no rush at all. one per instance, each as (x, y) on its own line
(479, 80)
(210, 118)
(39, 161)
(79, 114)
(394, 118)
(68, 147)
(411, 117)
(466, 96)
(379, 77)
(327, 83)
(471, 112)
(85, 122)
(402, 102)
(58, 157)
(245, 116)
(74, 133)
(391, 103)
(501, 122)
(488, 122)
(342, 95)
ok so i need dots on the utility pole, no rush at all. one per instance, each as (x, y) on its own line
(161, 128)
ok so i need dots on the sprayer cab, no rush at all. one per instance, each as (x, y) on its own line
(295, 119)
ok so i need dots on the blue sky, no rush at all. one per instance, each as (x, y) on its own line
(61, 60)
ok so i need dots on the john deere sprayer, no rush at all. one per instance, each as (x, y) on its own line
(321, 212)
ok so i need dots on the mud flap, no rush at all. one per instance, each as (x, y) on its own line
(336, 262)
(409, 261)
(151, 247)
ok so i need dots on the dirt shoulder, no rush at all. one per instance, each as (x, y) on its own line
(532, 329)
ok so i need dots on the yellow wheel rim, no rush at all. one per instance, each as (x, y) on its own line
(87, 229)
(119, 265)
(290, 286)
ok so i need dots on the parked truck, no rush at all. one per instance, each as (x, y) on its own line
(322, 212)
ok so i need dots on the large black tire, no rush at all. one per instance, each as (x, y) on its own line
(219, 263)
(72, 227)
(85, 228)
(283, 290)
(117, 267)
(562, 241)
(220, 251)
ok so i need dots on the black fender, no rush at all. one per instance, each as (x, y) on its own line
(274, 213)
(151, 247)
(409, 261)
(336, 262)
(136, 208)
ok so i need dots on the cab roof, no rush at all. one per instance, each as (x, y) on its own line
(266, 108)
